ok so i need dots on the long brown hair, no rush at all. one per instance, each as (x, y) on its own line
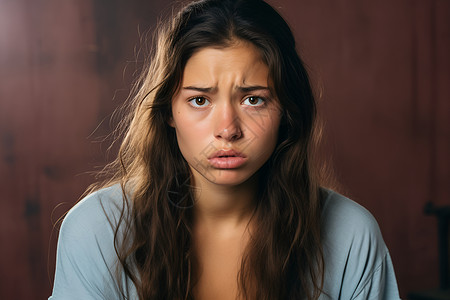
(283, 259)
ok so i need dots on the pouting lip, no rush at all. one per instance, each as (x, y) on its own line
(227, 153)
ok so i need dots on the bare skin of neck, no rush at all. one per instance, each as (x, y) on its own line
(221, 232)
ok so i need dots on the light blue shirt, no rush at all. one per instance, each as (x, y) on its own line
(357, 261)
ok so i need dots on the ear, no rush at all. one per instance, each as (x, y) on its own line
(171, 122)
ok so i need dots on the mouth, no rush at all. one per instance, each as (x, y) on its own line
(227, 159)
(226, 153)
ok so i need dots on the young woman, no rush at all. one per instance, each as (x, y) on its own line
(215, 193)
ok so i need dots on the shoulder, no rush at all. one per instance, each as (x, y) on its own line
(86, 258)
(341, 215)
(96, 212)
(357, 261)
(90, 227)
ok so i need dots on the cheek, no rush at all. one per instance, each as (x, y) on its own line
(265, 139)
(271, 133)
(271, 137)
(190, 136)
(183, 138)
(265, 127)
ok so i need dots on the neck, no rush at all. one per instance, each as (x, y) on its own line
(226, 205)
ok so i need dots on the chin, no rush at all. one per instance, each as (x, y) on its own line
(229, 177)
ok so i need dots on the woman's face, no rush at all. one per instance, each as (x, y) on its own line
(225, 117)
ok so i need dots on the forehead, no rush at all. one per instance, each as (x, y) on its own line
(241, 61)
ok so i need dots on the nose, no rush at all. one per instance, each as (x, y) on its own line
(228, 123)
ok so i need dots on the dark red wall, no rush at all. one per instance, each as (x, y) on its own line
(382, 67)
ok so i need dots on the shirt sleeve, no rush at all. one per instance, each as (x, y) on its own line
(382, 284)
(357, 262)
(86, 260)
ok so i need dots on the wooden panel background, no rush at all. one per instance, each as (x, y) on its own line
(383, 67)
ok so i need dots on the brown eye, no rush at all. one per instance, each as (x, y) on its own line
(254, 101)
(199, 101)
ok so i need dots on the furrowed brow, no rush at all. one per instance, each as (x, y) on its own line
(248, 89)
(199, 89)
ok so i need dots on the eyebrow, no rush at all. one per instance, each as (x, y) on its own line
(244, 89)
(199, 89)
(247, 89)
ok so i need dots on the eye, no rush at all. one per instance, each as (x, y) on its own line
(254, 101)
(198, 102)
